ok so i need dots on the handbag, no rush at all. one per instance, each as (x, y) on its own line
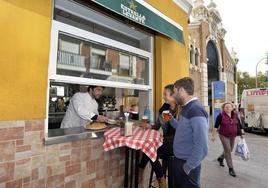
(242, 150)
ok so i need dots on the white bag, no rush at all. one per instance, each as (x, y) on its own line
(241, 149)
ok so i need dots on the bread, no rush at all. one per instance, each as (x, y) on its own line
(95, 126)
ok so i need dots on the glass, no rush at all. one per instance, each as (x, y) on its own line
(166, 115)
(80, 58)
(145, 119)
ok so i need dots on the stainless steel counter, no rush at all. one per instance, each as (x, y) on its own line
(56, 136)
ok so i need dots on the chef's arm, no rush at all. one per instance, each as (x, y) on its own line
(82, 110)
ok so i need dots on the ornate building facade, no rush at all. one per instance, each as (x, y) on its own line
(209, 57)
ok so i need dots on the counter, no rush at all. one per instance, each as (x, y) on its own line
(56, 136)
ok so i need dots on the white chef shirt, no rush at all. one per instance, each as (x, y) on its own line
(81, 109)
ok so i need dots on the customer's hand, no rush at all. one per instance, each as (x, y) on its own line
(166, 117)
(102, 119)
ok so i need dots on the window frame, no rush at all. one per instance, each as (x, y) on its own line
(120, 65)
(58, 28)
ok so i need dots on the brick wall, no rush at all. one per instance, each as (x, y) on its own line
(113, 56)
(25, 162)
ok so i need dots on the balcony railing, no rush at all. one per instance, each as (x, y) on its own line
(72, 59)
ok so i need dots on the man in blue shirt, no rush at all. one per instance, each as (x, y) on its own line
(191, 138)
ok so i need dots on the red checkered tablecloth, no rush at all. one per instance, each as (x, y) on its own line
(145, 140)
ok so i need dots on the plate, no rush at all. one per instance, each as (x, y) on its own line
(95, 126)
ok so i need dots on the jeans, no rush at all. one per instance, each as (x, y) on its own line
(181, 179)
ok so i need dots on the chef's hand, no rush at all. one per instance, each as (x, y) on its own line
(102, 119)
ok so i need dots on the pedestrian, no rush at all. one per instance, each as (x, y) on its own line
(166, 149)
(191, 138)
(83, 108)
(228, 126)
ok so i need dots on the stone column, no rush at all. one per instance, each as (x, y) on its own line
(204, 85)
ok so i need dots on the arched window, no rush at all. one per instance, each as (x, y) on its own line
(192, 55)
(196, 57)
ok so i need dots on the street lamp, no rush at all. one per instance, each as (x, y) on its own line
(257, 67)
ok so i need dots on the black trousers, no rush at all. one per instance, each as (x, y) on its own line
(181, 179)
(164, 151)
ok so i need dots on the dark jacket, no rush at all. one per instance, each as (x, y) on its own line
(168, 130)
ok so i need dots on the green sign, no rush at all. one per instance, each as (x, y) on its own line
(142, 15)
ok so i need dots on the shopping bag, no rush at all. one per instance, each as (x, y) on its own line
(242, 150)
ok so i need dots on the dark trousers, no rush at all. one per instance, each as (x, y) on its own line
(164, 151)
(181, 179)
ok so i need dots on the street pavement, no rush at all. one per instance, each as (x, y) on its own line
(250, 174)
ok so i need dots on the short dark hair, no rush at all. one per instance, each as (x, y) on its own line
(186, 83)
(93, 87)
(169, 87)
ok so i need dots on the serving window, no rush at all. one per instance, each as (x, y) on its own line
(88, 48)
(112, 100)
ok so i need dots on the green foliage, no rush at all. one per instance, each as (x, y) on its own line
(263, 79)
(246, 81)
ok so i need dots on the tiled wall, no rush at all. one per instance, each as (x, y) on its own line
(26, 162)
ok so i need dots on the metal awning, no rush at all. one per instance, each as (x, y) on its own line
(142, 13)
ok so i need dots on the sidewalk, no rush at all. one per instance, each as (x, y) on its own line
(250, 174)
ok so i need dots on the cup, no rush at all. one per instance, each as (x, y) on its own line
(145, 119)
(166, 115)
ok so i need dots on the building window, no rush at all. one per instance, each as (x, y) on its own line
(82, 53)
(191, 55)
(78, 56)
(98, 59)
(124, 65)
(196, 57)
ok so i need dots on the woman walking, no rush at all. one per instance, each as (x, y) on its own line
(228, 126)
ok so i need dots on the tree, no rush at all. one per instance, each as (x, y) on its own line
(245, 81)
(262, 79)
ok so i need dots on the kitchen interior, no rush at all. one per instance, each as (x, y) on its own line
(113, 103)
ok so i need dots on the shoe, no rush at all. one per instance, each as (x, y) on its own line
(232, 172)
(220, 160)
(162, 182)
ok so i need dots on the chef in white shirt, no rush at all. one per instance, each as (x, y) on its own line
(83, 108)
